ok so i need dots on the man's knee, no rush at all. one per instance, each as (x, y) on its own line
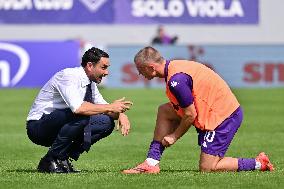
(102, 126)
(109, 123)
(164, 108)
(208, 163)
(166, 111)
(104, 122)
(207, 167)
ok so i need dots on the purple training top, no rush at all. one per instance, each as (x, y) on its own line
(180, 85)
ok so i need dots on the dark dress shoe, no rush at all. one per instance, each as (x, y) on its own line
(50, 166)
(68, 166)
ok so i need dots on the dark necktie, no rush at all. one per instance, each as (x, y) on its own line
(87, 129)
(88, 95)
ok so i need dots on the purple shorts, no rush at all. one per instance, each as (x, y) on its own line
(217, 142)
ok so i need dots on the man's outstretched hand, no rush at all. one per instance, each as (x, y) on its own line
(121, 105)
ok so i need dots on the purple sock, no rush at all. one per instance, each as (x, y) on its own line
(246, 164)
(156, 150)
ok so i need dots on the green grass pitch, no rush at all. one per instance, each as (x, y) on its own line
(262, 130)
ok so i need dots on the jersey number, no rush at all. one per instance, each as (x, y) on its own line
(208, 137)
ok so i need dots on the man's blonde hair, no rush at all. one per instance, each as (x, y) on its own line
(147, 55)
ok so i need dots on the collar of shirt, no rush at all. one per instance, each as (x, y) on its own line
(166, 69)
(83, 77)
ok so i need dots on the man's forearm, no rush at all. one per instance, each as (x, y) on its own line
(183, 127)
(91, 109)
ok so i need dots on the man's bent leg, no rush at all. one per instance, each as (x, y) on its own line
(215, 163)
(70, 132)
(210, 163)
(68, 135)
(214, 145)
(44, 131)
(167, 121)
(70, 139)
(101, 126)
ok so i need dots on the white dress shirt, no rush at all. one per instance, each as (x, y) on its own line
(66, 89)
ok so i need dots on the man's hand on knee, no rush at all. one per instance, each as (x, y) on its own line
(123, 124)
(169, 140)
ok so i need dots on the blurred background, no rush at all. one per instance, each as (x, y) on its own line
(241, 40)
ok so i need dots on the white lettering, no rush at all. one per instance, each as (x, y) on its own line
(53, 4)
(15, 4)
(162, 10)
(176, 8)
(37, 4)
(193, 7)
(137, 8)
(140, 8)
(209, 9)
(158, 8)
(24, 63)
(223, 12)
(151, 8)
(214, 8)
(5, 73)
(237, 9)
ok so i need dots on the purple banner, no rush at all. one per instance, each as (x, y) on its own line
(129, 11)
(32, 64)
(56, 11)
(187, 11)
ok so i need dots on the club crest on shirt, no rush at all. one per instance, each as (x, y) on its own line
(174, 83)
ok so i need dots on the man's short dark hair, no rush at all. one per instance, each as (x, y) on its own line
(93, 55)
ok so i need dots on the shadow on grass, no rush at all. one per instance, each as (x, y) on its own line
(179, 171)
(98, 171)
(81, 171)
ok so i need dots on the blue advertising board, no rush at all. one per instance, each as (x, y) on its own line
(187, 11)
(129, 11)
(56, 11)
(239, 65)
(32, 64)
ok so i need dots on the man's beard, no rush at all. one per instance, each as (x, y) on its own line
(98, 79)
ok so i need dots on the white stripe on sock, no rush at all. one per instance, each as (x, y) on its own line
(257, 165)
(152, 162)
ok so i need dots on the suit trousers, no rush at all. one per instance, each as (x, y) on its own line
(63, 132)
